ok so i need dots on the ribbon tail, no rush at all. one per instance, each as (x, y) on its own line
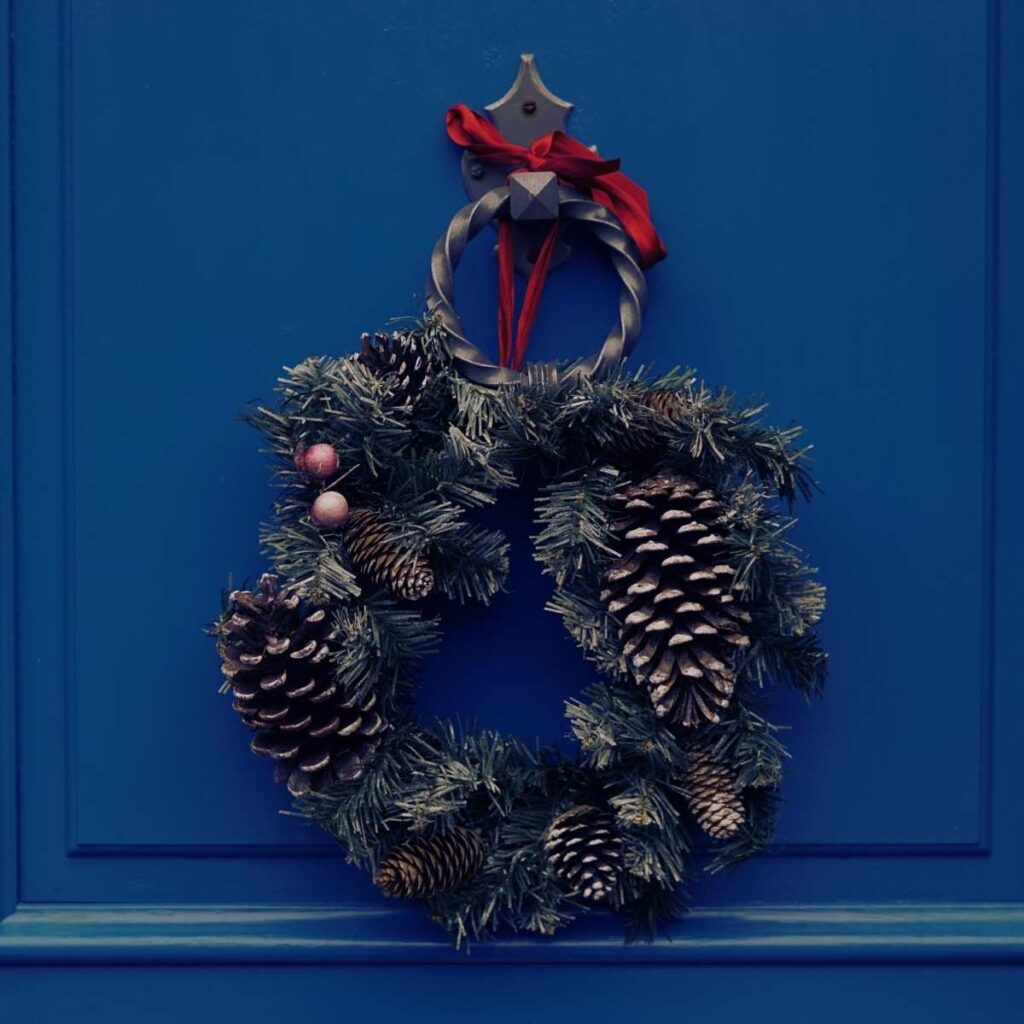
(534, 291)
(506, 291)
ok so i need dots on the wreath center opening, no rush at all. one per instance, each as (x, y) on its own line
(510, 665)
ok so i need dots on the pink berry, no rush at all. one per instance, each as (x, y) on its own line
(320, 461)
(330, 510)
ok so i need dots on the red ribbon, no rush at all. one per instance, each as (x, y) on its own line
(576, 166)
(507, 293)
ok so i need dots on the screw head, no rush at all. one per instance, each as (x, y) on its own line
(476, 170)
(529, 107)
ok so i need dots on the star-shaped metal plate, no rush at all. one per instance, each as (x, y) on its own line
(529, 109)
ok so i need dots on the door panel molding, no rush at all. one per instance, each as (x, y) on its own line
(76, 799)
(9, 851)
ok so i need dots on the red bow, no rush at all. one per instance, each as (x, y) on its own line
(573, 163)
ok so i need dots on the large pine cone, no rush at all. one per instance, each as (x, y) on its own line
(275, 651)
(371, 544)
(426, 867)
(401, 354)
(671, 590)
(584, 851)
(713, 794)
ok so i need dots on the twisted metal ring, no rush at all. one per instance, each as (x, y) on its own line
(573, 207)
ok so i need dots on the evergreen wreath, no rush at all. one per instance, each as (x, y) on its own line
(663, 521)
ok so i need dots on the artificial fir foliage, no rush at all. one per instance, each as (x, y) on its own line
(419, 454)
(431, 866)
(276, 649)
(672, 591)
(585, 851)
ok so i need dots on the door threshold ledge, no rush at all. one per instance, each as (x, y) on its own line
(51, 933)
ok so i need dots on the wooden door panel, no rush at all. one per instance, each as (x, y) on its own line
(203, 193)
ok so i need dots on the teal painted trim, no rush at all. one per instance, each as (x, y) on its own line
(891, 933)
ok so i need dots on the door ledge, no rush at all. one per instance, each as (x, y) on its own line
(176, 934)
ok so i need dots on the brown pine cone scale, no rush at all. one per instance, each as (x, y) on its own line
(584, 850)
(400, 355)
(672, 590)
(371, 544)
(275, 651)
(664, 401)
(713, 795)
(428, 866)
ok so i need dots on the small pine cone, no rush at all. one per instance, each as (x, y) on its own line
(713, 795)
(426, 867)
(671, 591)
(275, 651)
(584, 850)
(371, 545)
(664, 401)
(633, 438)
(402, 355)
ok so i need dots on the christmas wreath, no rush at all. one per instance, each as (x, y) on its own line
(662, 520)
(660, 525)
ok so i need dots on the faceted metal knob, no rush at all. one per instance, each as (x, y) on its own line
(533, 195)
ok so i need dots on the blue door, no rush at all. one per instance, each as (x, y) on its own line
(201, 193)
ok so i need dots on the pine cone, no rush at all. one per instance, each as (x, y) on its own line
(633, 438)
(371, 544)
(670, 590)
(275, 652)
(402, 354)
(584, 851)
(664, 401)
(713, 794)
(426, 867)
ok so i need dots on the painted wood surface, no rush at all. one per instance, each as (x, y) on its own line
(202, 193)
